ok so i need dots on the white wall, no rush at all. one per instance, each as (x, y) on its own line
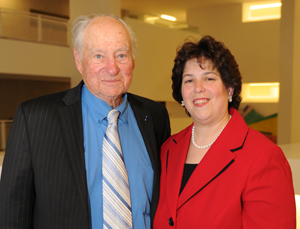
(30, 58)
(255, 45)
(58, 7)
(155, 59)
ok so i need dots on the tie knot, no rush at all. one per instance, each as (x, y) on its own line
(112, 116)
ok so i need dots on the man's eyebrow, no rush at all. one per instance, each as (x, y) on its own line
(126, 48)
(96, 50)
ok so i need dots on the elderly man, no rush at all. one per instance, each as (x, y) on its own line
(58, 170)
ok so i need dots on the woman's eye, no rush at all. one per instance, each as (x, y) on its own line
(210, 78)
(122, 56)
(188, 81)
(98, 56)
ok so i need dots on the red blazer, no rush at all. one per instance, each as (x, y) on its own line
(243, 181)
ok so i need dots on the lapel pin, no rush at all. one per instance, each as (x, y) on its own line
(146, 118)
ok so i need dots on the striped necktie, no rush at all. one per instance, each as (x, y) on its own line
(116, 194)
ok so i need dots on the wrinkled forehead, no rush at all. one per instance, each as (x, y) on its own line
(106, 29)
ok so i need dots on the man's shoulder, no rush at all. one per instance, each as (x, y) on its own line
(48, 98)
(68, 96)
(143, 101)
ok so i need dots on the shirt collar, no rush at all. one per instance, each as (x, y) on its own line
(100, 109)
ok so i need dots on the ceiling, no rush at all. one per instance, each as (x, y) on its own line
(176, 8)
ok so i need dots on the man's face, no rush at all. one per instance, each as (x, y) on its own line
(107, 62)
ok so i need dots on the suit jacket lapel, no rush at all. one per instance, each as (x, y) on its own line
(145, 123)
(71, 123)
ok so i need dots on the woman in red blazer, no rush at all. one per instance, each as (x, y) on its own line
(219, 173)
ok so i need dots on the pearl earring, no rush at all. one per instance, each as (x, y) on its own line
(230, 99)
(182, 103)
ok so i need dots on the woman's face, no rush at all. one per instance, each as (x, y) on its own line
(203, 92)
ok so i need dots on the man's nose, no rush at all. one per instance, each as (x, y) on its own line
(112, 66)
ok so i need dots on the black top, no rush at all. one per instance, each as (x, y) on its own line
(187, 172)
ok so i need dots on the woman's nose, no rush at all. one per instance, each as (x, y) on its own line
(199, 86)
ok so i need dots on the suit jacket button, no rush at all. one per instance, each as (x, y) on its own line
(171, 222)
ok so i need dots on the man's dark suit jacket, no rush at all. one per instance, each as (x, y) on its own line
(43, 182)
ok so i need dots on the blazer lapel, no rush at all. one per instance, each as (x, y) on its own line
(71, 123)
(205, 172)
(175, 166)
(218, 158)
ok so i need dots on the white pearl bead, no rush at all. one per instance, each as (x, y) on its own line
(208, 145)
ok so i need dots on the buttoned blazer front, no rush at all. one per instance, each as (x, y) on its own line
(243, 181)
(43, 183)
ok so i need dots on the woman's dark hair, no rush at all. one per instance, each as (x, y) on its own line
(220, 56)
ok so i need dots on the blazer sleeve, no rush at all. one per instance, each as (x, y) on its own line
(17, 185)
(268, 199)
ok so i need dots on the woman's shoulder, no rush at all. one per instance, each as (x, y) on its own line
(175, 138)
(260, 139)
(259, 144)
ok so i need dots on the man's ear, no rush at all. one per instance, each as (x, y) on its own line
(77, 61)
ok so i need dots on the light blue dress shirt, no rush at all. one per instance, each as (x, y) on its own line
(137, 161)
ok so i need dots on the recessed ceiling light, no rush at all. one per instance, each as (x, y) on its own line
(264, 6)
(167, 17)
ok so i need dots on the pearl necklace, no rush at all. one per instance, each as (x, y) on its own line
(209, 144)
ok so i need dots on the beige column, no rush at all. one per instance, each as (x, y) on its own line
(289, 103)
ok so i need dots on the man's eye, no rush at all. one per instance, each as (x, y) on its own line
(98, 56)
(122, 58)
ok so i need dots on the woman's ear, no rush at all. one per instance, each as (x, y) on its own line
(230, 91)
(230, 94)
